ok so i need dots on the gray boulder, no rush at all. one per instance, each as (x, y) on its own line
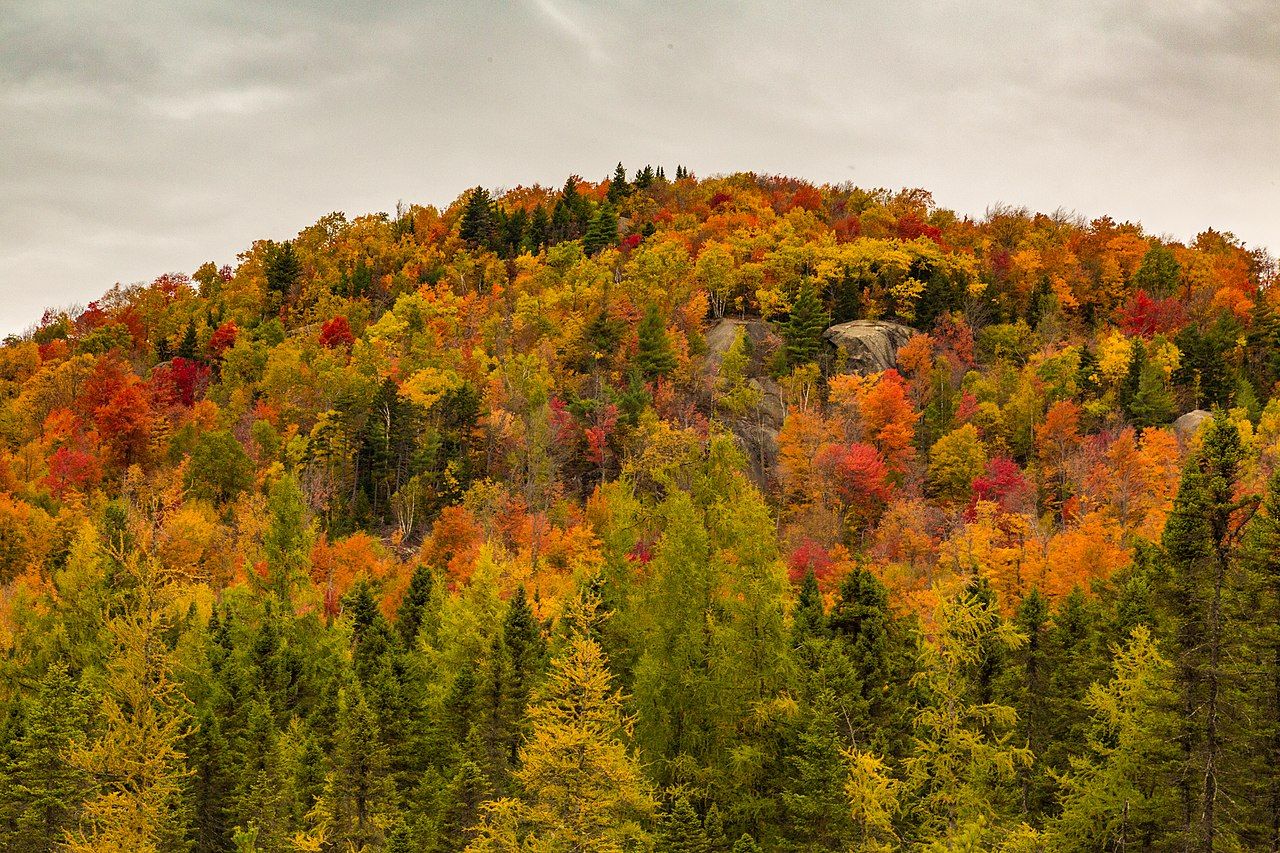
(1189, 424)
(867, 346)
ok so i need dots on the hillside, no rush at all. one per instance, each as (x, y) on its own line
(651, 514)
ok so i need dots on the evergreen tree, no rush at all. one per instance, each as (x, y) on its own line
(582, 790)
(1262, 558)
(282, 269)
(1116, 795)
(802, 331)
(964, 763)
(136, 759)
(415, 609)
(358, 802)
(189, 347)
(40, 790)
(1159, 272)
(538, 232)
(681, 830)
(1201, 538)
(211, 784)
(477, 223)
(654, 357)
(619, 189)
(287, 541)
(603, 231)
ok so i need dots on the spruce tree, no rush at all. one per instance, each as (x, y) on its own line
(618, 186)
(1201, 539)
(415, 609)
(654, 357)
(1262, 559)
(681, 829)
(282, 269)
(477, 224)
(603, 231)
(803, 328)
(189, 347)
(40, 790)
(1159, 272)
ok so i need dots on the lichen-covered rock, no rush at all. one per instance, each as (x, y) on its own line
(1187, 425)
(867, 346)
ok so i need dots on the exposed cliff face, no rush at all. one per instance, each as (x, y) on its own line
(867, 346)
(758, 433)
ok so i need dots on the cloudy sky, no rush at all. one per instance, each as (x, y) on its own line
(138, 138)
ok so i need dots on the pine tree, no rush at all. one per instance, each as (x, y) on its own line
(1201, 538)
(358, 803)
(681, 830)
(1262, 557)
(538, 232)
(964, 764)
(582, 790)
(477, 224)
(603, 231)
(618, 186)
(287, 541)
(526, 650)
(282, 270)
(211, 784)
(654, 357)
(415, 610)
(1159, 273)
(40, 791)
(190, 345)
(802, 331)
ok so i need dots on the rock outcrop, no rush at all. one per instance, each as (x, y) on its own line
(867, 346)
(757, 433)
(1189, 424)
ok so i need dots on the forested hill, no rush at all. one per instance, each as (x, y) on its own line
(668, 514)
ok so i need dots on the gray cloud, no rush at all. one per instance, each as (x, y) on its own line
(144, 137)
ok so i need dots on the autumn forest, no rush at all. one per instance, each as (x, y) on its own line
(659, 513)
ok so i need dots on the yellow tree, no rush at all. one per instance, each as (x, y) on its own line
(136, 761)
(583, 790)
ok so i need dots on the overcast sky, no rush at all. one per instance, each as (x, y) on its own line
(140, 138)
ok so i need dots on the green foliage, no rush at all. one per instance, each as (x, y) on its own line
(218, 469)
(654, 357)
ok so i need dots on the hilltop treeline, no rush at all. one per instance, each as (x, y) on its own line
(658, 514)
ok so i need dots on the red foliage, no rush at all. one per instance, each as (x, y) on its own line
(719, 199)
(1004, 484)
(1150, 317)
(180, 381)
(806, 197)
(336, 333)
(91, 318)
(809, 555)
(124, 421)
(966, 408)
(55, 350)
(171, 284)
(860, 476)
(631, 241)
(72, 469)
(598, 434)
(911, 226)
(223, 339)
(847, 228)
